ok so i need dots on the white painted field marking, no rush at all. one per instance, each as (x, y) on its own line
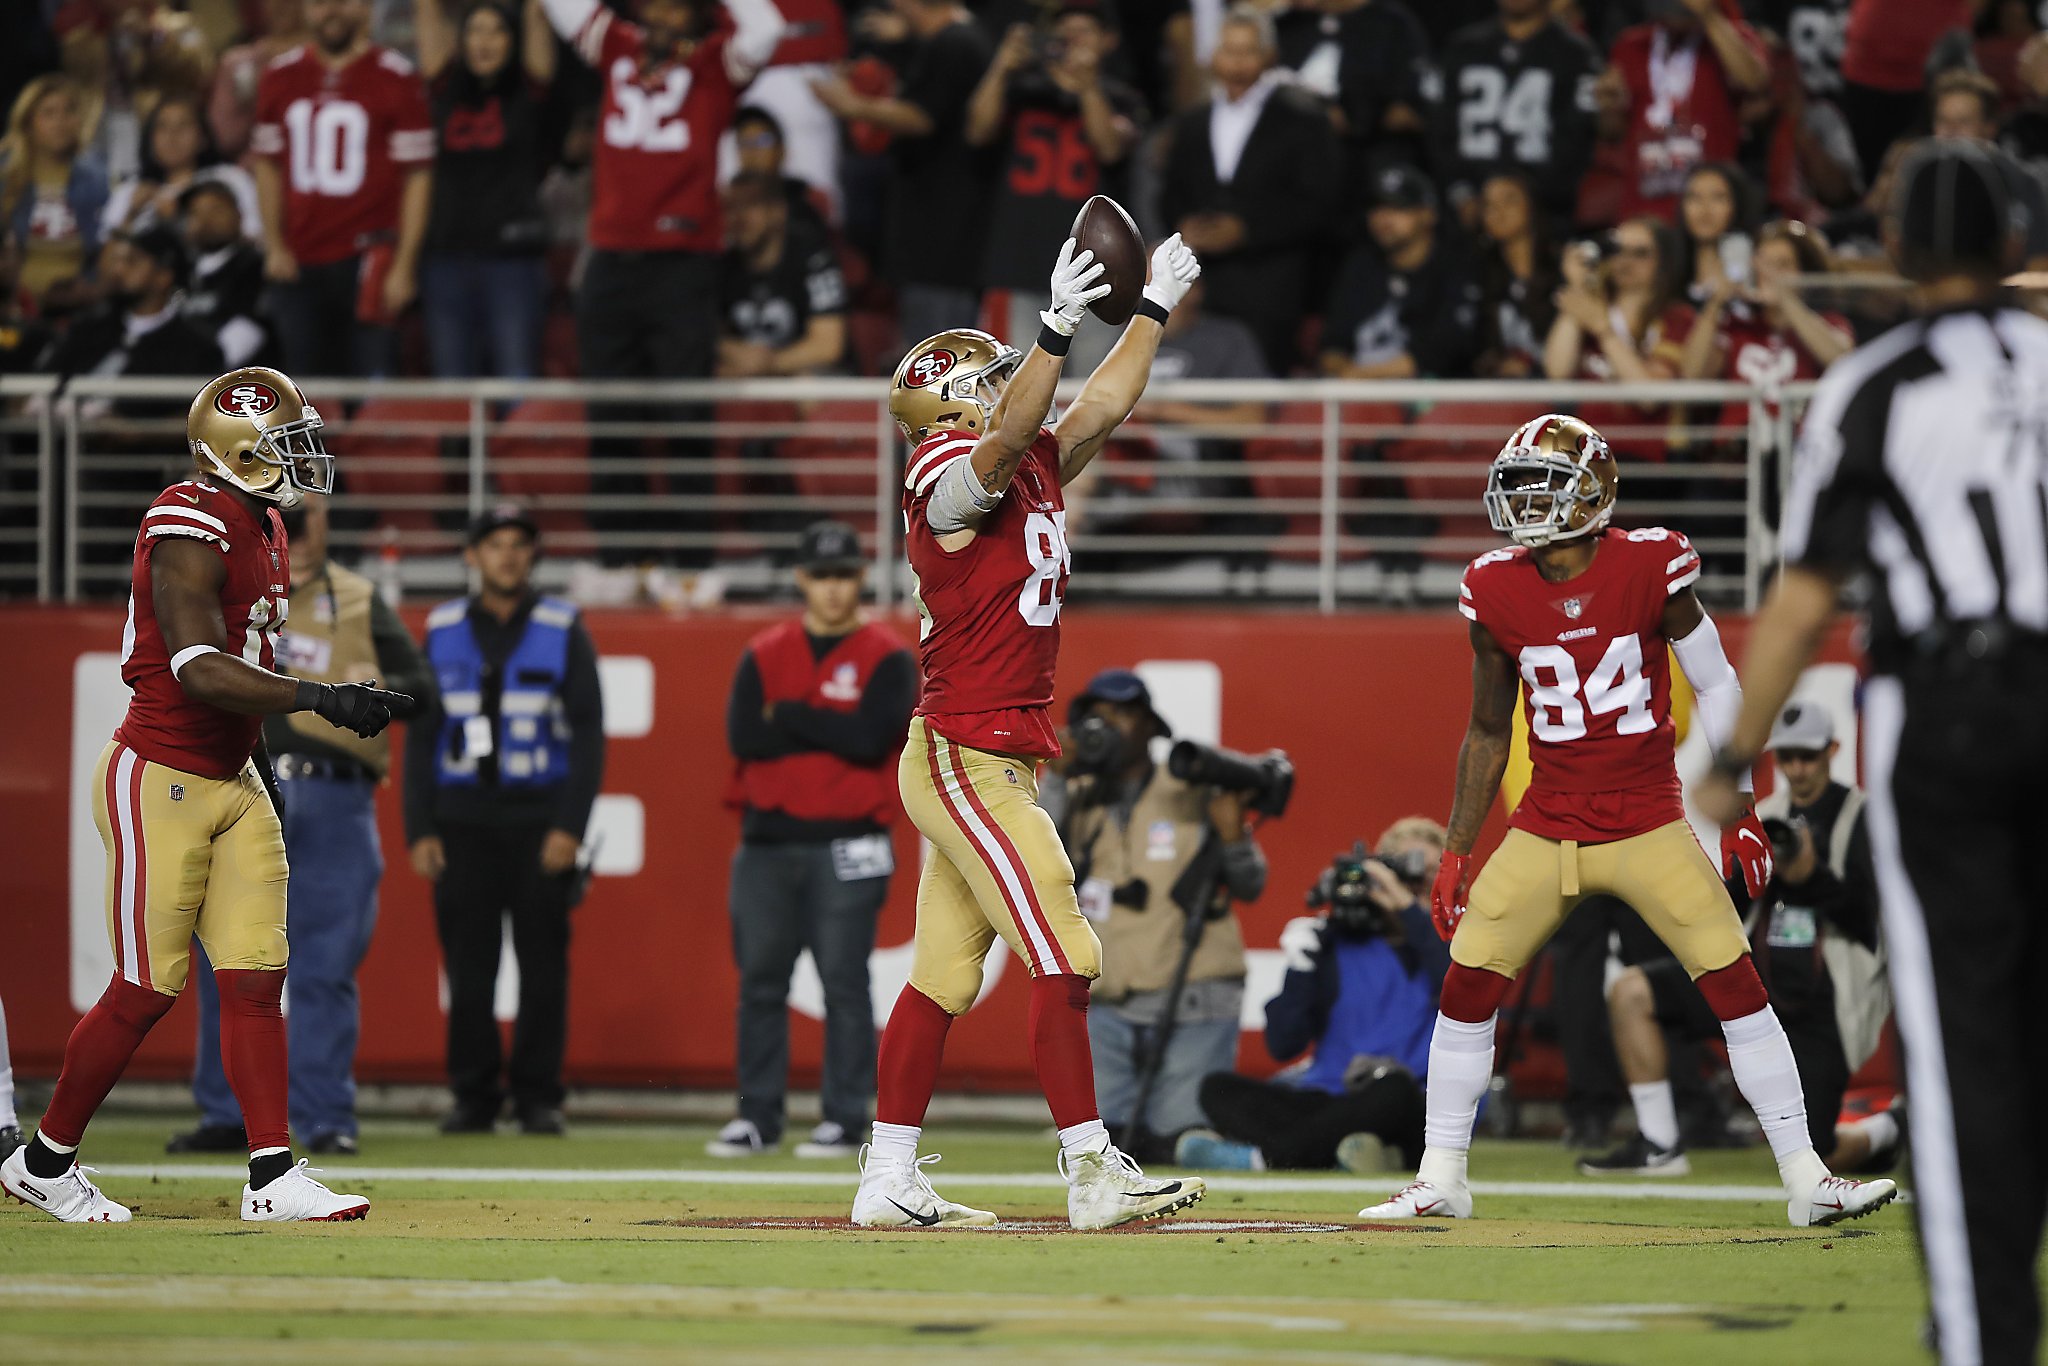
(846, 1181)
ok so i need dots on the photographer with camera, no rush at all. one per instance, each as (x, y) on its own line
(1159, 854)
(1361, 989)
(1825, 967)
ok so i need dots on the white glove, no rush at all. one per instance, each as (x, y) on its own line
(1301, 941)
(1174, 268)
(1076, 283)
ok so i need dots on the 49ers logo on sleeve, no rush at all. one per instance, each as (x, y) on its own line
(930, 368)
(249, 399)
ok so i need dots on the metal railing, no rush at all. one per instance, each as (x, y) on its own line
(1293, 491)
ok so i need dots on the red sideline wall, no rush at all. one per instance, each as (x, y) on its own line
(1371, 707)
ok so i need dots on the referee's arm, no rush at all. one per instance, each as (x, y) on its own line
(1824, 539)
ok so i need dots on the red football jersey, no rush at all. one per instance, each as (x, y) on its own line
(163, 725)
(1764, 356)
(655, 173)
(1682, 111)
(1596, 680)
(344, 140)
(990, 635)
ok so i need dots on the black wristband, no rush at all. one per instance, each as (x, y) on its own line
(1726, 762)
(308, 695)
(1053, 343)
(1151, 308)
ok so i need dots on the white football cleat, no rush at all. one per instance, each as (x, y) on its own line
(1106, 1189)
(1835, 1198)
(297, 1198)
(1423, 1200)
(897, 1194)
(71, 1197)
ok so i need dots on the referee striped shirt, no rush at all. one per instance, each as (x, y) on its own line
(1921, 464)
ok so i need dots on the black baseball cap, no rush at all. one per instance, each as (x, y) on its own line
(1955, 211)
(164, 246)
(830, 547)
(1402, 187)
(1116, 685)
(500, 515)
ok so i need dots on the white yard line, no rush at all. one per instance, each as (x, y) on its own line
(348, 1172)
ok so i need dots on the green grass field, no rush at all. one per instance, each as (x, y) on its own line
(624, 1244)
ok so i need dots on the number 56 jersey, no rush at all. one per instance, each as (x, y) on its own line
(163, 725)
(990, 635)
(1596, 680)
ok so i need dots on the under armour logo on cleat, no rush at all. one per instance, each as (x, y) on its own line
(261, 1207)
(923, 1220)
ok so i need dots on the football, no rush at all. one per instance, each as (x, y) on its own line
(1104, 228)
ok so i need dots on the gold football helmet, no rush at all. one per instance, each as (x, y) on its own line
(254, 428)
(1555, 480)
(953, 380)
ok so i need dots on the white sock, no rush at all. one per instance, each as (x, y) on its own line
(267, 1152)
(894, 1142)
(1460, 1066)
(1656, 1113)
(1761, 1057)
(53, 1145)
(1089, 1136)
(8, 1119)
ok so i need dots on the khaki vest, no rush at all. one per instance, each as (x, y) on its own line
(329, 642)
(1140, 948)
(1863, 988)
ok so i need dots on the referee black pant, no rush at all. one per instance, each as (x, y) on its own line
(1958, 816)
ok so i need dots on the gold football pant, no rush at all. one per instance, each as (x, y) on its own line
(997, 868)
(1531, 883)
(187, 855)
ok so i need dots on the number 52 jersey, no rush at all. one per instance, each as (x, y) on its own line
(1596, 680)
(163, 725)
(990, 635)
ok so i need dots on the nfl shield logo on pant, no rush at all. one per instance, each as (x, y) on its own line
(177, 792)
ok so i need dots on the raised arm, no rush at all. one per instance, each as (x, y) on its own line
(434, 36)
(757, 28)
(537, 45)
(1119, 382)
(185, 578)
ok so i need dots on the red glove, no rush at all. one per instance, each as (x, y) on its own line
(1746, 849)
(1447, 897)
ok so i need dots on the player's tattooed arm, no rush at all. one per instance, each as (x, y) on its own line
(185, 578)
(1019, 416)
(1108, 397)
(1483, 757)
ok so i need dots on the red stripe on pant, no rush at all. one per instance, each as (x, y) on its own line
(939, 787)
(1017, 864)
(118, 841)
(141, 876)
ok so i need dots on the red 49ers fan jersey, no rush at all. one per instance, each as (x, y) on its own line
(1596, 680)
(344, 141)
(654, 184)
(163, 725)
(990, 637)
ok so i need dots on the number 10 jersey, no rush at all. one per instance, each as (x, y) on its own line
(1596, 680)
(163, 725)
(990, 635)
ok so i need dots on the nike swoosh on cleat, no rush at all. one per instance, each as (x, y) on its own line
(1432, 1205)
(1173, 1189)
(922, 1220)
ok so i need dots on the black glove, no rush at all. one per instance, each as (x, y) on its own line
(354, 706)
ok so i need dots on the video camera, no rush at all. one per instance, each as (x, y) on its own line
(1346, 889)
(1783, 834)
(1267, 778)
(1094, 747)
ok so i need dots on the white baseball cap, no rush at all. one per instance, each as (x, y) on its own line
(1802, 726)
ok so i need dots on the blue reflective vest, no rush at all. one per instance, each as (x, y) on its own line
(527, 733)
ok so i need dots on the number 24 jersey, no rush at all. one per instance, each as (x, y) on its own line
(990, 636)
(1596, 680)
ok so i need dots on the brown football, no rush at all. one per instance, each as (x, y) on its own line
(1104, 228)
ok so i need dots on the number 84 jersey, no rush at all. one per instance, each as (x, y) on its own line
(1596, 680)
(163, 725)
(990, 637)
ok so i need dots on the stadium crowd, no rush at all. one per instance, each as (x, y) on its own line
(1379, 188)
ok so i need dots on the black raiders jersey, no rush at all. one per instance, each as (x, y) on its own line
(1526, 107)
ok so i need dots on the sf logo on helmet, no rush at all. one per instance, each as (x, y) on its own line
(246, 400)
(929, 368)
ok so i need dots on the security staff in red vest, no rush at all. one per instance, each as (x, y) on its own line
(818, 713)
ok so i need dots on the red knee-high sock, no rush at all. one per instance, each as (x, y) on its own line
(252, 1051)
(907, 1061)
(97, 1054)
(1059, 1048)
